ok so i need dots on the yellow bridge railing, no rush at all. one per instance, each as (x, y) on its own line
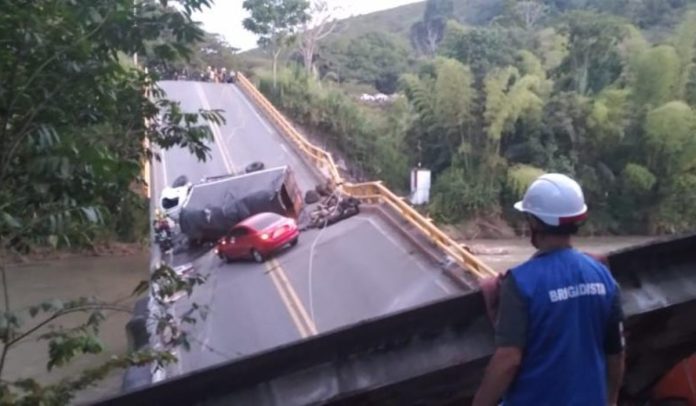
(367, 191)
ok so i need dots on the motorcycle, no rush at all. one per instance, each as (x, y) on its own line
(336, 209)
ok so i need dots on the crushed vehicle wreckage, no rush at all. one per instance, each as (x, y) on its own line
(331, 209)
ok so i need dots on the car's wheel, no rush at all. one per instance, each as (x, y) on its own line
(257, 257)
(311, 197)
(295, 241)
(180, 181)
(254, 166)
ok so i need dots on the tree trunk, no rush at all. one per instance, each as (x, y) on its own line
(308, 55)
(275, 68)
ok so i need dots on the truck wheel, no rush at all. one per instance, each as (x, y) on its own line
(257, 257)
(311, 197)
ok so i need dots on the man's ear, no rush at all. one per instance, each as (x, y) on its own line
(534, 223)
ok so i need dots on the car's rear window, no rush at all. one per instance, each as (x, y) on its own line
(264, 221)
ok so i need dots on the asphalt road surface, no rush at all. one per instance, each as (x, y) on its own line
(351, 271)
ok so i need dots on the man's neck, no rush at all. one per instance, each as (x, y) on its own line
(554, 242)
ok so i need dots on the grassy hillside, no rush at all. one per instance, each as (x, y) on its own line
(398, 20)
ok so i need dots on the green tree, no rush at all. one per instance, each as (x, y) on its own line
(509, 97)
(593, 61)
(671, 138)
(459, 194)
(632, 46)
(520, 176)
(427, 33)
(657, 76)
(685, 46)
(481, 48)
(73, 115)
(608, 118)
(552, 47)
(392, 156)
(276, 23)
(374, 58)
(670, 146)
(454, 97)
(526, 13)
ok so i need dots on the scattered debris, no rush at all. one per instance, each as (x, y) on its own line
(332, 209)
(483, 250)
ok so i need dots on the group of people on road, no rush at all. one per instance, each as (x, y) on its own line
(220, 75)
(558, 318)
(210, 74)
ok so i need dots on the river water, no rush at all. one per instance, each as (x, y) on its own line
(506, 253)
(107, 278)
(113, 278)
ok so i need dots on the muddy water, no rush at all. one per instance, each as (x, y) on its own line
(109, 279)
(503, 254)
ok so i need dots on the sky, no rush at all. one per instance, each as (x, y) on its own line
(225, 17)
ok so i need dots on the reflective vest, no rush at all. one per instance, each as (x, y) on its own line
(569, 299)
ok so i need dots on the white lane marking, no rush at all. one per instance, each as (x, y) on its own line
(285, 149)
(253, 110)
(217, 135)
(164, 168)
(393, 241)
(298, 160)
(239, 118)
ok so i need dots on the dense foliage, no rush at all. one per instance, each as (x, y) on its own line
(76, 119)
(73, 113)
(375, 58)
(373, 142)
(600, 90)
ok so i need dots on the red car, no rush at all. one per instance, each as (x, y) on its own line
(257, 237)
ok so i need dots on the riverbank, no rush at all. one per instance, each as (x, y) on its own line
(502, 254)
(47, 254)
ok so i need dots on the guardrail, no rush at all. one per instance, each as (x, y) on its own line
(367, 191)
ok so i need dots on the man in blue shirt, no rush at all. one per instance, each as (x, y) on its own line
(559, 331)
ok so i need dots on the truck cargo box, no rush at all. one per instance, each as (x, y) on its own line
(216, 204)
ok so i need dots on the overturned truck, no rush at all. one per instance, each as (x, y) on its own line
(216, 204)
(435, 354)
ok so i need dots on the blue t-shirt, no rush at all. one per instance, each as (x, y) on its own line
(569, 298)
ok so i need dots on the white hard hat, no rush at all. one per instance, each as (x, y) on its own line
(555, 199)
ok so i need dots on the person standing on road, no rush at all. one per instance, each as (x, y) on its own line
(559, 333)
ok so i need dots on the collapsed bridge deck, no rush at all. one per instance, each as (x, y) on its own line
(435, 354)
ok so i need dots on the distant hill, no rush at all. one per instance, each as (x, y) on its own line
(398, 20)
